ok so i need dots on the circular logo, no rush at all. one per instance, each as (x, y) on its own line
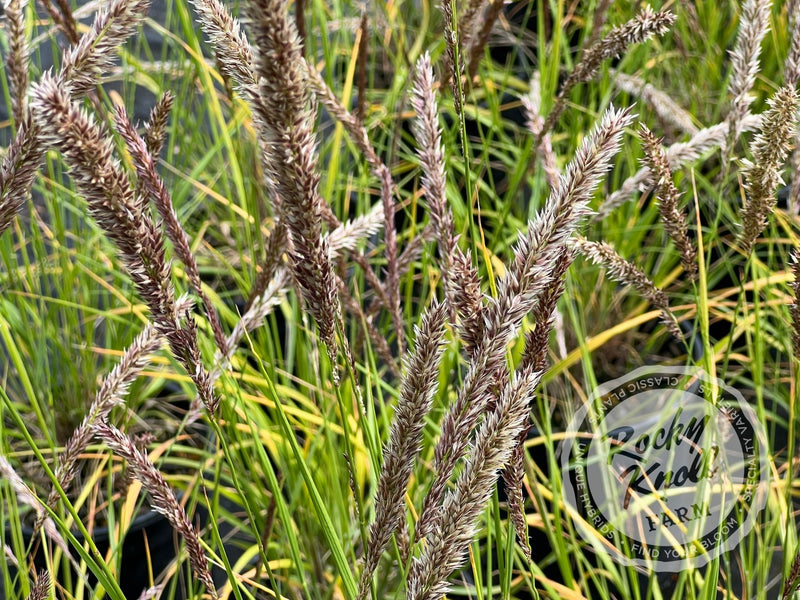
(665, 468)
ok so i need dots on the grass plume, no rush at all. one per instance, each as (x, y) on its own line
(294, 176)
(41, 587)
(18, 60)
(530, 273)
(85, 62)
(447, 544)
(791, 68)
(156, 191)
(667, 194)
(762, 174)
(156, 126)
(405, 439)
(791, 78)
(87, 150)
(794, 308)
(532, 102)
(623, 271)
(60, 12)
(753, 28)
(459, 276)
(646, 24)
(678, 154)
(162, 498)
(83, 65)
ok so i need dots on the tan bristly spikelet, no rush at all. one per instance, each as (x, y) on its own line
(667, 194)
(88, 152)
(792, 581)
(534, 357)
(753, 27)
(153, 187)
(791, 68)
(446, 546)
(623, 271)
(661, 103)
(468, 298)
(530, 273)
(17, 65)
(351, 123)
(156, 126)
(405, 438)
(82, 67)
(791, 78)
(431, 154)
(642, 27)
(295, 177)
(762, 174)
(460, 278)
(678, 154)
(162, 498)
(544, 317)
(232, 48)
(794, 308)
(532, 101)
(61, 13)
(347, 236)
(235, 57)
(389, 294)
(453, 57)
(513, 478)
(85, 63)
(355, 128)
(17, 169)
(155, 131)
(41, 587)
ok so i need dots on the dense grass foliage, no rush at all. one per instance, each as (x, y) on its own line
(328, 302)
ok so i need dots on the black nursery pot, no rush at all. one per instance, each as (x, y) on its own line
(148, 544)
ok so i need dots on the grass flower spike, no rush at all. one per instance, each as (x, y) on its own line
(162, 498)
(673, 220)
(495, 440)
(642, 27)
(405, 439)
(753, 27)
(290, 298)
(531, 272)
(110, 196)
(762, 174)
(294, 177)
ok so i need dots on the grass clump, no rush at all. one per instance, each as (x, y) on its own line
(413, 186)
